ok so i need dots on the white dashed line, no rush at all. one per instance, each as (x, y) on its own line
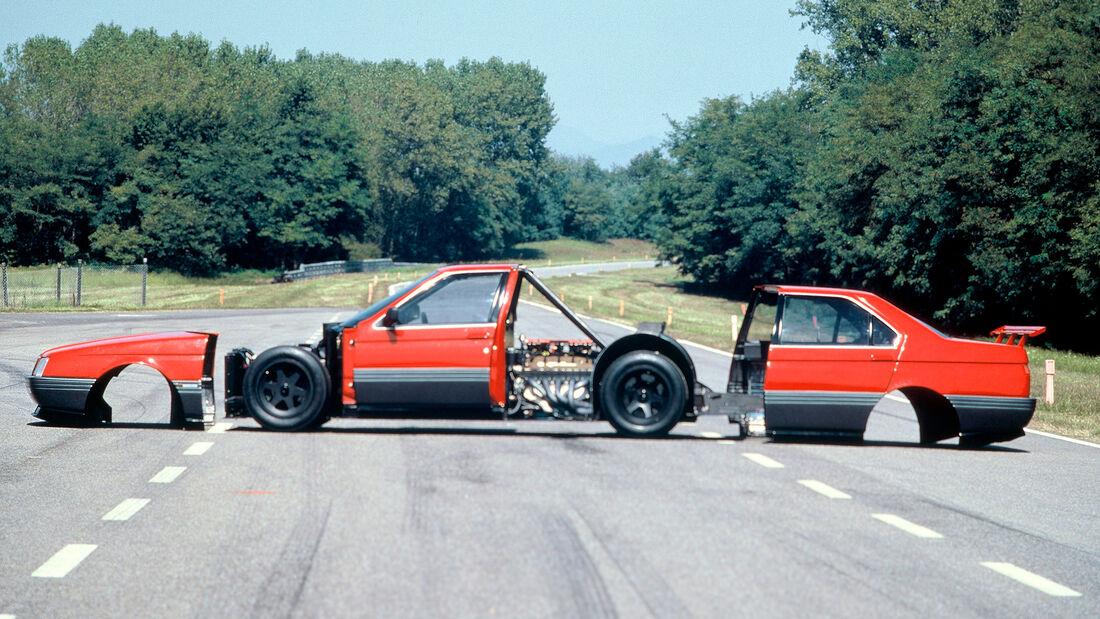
(167, 475)
(897, 398)
(221, 427)
(7, 616)
(1030, 579)
(198, 449)
(763, 460)
(126, 509)
(710, 434)
(66, 559)
(824, 489)
(728, 441)
(905, 525)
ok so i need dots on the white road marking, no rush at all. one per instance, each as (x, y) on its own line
(763, 460)
(1063, 438)
(905, 525)
(221, 427)
(897, 398)
(824, 489)
(728, 441)
(198, 449)
(7, 616)
(66, 559)
(320, 332)
(126, 509)
(167, 475)
(710, 434)
(1030, 579)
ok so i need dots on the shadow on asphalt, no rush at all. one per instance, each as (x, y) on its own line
(493, 432)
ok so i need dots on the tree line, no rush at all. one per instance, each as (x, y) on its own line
(944, 154)
(209, 157)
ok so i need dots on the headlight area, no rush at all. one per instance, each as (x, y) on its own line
(40, 366)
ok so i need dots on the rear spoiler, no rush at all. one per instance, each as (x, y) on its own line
(1011, 331)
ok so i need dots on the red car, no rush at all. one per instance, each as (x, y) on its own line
(819, 359)
(814, 360)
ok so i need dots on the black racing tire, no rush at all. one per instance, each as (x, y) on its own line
(643, 394)
(286, 388)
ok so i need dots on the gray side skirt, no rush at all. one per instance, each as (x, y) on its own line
(414, 388)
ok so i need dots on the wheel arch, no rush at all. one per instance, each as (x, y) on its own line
(655, 342)
(936, 416)
(188, 398)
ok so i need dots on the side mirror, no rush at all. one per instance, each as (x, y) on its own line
(391, 317)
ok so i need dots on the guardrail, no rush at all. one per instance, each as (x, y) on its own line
(336, 267)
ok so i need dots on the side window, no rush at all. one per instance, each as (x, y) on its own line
(460, 299)
(824, 321)
(881, 335)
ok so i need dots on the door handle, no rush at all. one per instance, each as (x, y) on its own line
(477, 336)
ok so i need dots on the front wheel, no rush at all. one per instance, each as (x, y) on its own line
(643, 394)
(286, 388)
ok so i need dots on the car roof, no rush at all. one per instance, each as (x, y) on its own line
(478, 267)
(793, 289)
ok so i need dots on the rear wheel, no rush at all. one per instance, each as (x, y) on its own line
(286, 388)
(643, 394)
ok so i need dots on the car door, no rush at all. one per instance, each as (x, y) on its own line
(828, 366)
(439, 351)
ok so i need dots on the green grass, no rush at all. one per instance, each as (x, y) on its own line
(573, 251)
(646, 296)
(1076, 408)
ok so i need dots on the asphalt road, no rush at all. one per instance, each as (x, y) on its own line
(474, 518)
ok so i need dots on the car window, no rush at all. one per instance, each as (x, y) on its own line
(459, 299)
(762, 319)
(824, 321)
(881, 335)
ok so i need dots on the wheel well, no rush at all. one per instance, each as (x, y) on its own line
(97, 409)
(658, 343)
(936, 416)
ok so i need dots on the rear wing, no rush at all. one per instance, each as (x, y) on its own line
(1011, 331)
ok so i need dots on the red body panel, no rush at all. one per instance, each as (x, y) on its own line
(920, 357)
(371, 345)
(179, 356)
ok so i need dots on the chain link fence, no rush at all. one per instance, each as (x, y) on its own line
(101, 286)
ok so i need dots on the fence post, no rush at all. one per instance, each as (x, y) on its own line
(144, 277)
(79, 279)
(4, 277)
(59, 283)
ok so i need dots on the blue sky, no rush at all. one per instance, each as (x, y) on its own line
(616, 70)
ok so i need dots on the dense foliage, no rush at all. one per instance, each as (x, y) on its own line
(946, 154)
(199, 157)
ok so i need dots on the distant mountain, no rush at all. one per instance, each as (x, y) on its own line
(573, 142)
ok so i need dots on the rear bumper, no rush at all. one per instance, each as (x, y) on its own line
(989, 419)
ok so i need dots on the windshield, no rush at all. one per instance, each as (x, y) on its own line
(377, 307)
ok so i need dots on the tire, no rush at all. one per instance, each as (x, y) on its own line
(643, 394)
(286, 388)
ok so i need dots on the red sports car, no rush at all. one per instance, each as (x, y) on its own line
(813, 361)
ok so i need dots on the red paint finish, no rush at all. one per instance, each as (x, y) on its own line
(179, 356)
(920, 357)
(372, 345)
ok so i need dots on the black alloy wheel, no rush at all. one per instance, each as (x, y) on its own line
(285, 388)
(643, 394)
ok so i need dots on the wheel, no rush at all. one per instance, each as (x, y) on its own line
(643, 394)
(286, 388)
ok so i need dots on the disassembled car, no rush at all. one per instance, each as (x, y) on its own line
(808, 362)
